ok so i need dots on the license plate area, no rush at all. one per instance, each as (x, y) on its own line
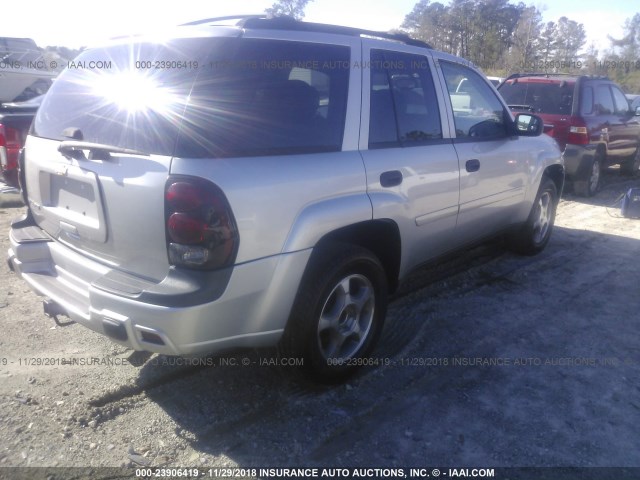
(71, 204)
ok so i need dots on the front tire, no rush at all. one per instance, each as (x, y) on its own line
(533, 237)
(339, 312)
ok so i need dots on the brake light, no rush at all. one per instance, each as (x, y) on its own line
(578, 133)
(9, 147)
(201, 229)
(185, 229)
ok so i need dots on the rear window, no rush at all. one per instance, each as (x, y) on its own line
(551, 98)
(213, 97)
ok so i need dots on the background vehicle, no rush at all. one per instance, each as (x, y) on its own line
(25, 73)
(496, 80)
(589, 117)
(15, 120)
(634, 101)
(277, 195)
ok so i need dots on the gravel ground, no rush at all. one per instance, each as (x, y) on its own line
(488, 360)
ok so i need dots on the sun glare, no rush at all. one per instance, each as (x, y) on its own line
(133, 91)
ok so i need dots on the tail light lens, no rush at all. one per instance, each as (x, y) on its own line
(201, 229)
(578, 133)
(9, 147)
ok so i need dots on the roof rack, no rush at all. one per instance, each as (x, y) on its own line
(241, 20)
(289, 23)
(548, 74)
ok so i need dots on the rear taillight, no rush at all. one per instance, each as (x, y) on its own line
(9, 147)
(578, 133)
(201, 230)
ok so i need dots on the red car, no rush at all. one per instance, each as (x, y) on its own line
(589, 117)
(15, 121)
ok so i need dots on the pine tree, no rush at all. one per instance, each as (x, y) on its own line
(291, 8)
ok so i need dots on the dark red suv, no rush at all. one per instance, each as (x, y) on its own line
(589, 117)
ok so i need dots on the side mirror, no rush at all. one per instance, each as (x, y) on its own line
(637, 112)
(529, 125)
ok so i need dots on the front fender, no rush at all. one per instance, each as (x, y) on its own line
(547, 155)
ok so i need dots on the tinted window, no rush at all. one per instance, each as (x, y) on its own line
(204, 97)
(404, 106)
(477, 112)
(603, 103)
(555, 98)
(621, 102)
(268, 97)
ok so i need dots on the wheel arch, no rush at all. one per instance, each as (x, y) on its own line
(381, 237)
(556, 173)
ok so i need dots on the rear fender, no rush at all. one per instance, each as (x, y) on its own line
(318, 219)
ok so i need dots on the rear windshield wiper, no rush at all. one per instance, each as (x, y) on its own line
(97, 151)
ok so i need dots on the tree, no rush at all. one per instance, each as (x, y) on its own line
(414, 20)
(547, 46)
(291, 8)
(496, 35)
(629, 45)
(492, 27)
(569, 39)
(525, 42)
(591, 60)
(624, 54)
(430, 23)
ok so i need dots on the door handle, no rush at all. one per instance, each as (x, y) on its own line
(392, 178)
(472, 165)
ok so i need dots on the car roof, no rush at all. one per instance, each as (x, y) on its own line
(234, 25)
(289, 23)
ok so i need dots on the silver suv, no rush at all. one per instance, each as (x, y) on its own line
(267, 181)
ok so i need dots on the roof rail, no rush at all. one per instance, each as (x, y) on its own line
(241, 19)
(548, 74)
(289, 23)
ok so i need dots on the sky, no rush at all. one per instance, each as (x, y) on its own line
(75, 23)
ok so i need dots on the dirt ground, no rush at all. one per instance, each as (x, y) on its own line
(487, 360)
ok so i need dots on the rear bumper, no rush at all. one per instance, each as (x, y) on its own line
(168, 317)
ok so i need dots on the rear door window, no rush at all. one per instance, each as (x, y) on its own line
(403, 102)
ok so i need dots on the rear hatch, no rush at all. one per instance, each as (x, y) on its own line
(99, 154)
(549, 98)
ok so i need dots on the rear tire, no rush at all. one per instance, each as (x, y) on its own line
(589, 186)
(338, 313)
(533, 237)
(631, 167)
